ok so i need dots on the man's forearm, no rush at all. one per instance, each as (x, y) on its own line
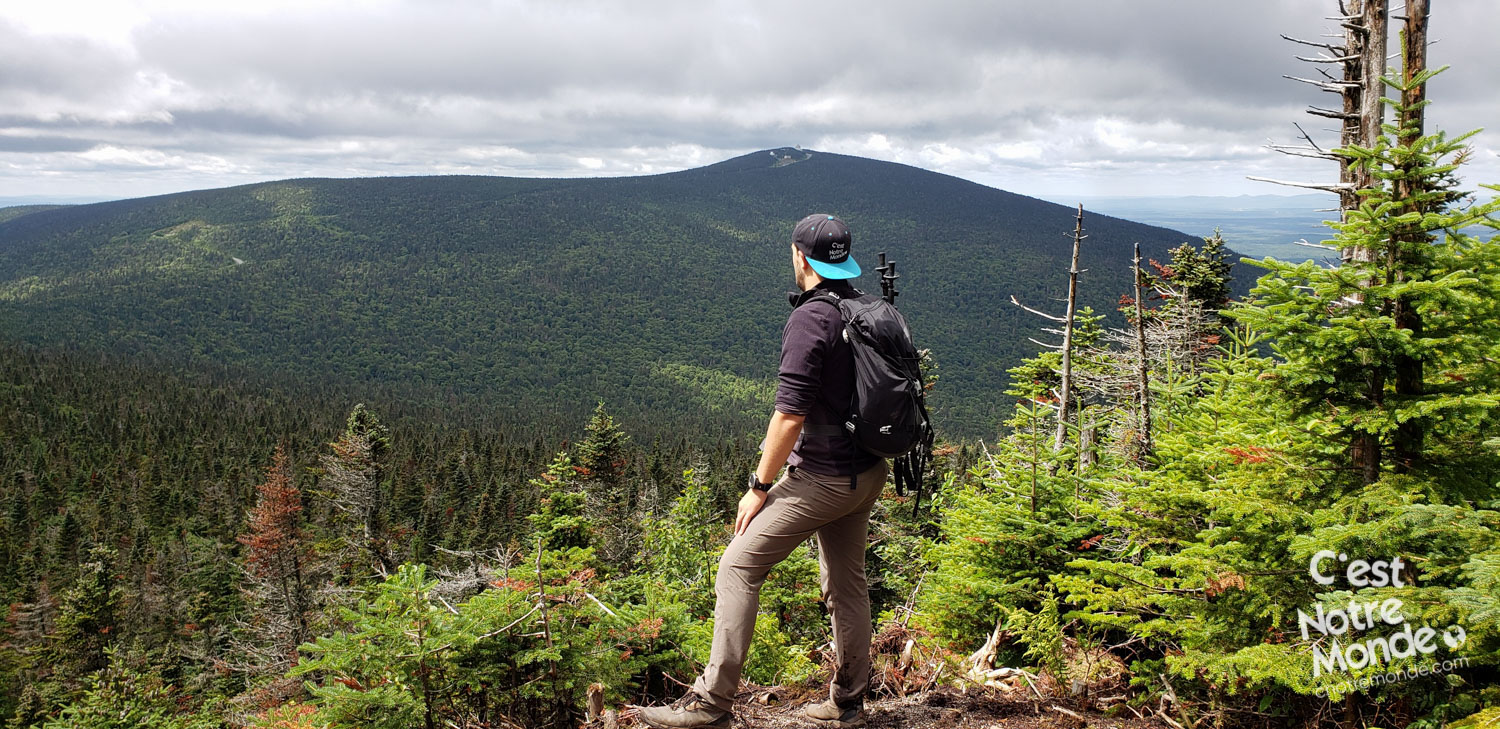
(781, 435)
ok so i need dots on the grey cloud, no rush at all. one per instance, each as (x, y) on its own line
(44, 144)
(1195, 87)
(56, 66)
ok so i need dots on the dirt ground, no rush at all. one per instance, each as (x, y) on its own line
(941, 708)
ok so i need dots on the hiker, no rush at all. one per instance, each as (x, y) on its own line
(828, 490)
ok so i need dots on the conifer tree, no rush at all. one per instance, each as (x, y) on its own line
(87, 618)
(128, 694)
(1379, 353)
(1259, 467)
(559, 522)
(612, 501)
(603, 450)
(677, 545)
(1202, 274)
(278, 563)
(352, 479)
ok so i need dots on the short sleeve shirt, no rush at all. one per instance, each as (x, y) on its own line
(816, 375)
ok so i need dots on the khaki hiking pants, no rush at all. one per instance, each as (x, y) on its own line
(799, 505)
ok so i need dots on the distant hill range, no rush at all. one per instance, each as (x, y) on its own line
(661, 295)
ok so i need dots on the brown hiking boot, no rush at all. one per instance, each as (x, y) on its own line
(688, 712)
(829, 714)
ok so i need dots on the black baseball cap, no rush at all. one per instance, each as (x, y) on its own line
(825, 241)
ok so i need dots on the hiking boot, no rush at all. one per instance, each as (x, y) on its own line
(829, 714)
(685, 713)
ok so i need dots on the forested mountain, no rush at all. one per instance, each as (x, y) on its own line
(534, 298)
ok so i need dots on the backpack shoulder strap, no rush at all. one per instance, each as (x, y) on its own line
(823, 295)
(836, 301)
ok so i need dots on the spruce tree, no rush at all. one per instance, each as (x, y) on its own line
(559, 524)
(612, 500)
(87, 617)
(1381, 353)
(1202, 274)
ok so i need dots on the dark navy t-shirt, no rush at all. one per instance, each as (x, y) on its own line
(817, 370)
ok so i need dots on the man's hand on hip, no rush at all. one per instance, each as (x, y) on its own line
(750, 505)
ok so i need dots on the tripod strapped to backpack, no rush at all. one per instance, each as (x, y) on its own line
(907, 469)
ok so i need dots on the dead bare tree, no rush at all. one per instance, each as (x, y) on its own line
(1360, 52)
(351, 481)
(1064, 393)
(473, 571)
(1067, 348)
(1143, 383)
(279, 577)
(1174, 346)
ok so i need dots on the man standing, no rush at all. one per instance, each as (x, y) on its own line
(828, 490)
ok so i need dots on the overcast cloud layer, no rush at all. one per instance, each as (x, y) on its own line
(1058, 98)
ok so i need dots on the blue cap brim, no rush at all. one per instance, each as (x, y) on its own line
(847, 269)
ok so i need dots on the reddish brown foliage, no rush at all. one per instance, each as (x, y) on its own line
(1223, 583)
(647, 629)
(276, 540)
(511, 583)
(1248, 454)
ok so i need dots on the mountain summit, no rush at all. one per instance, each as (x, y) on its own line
(659, 294)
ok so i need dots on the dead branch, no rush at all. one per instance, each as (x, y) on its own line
(1304, 242)
(1337, 187)
(1336, 87)
(1034, 311)
(1331, 48)
(1326, 59)
(1331, 114)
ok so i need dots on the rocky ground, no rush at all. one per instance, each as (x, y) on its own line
(940, 708)
(908, 681)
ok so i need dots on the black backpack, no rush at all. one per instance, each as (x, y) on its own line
(887, 415)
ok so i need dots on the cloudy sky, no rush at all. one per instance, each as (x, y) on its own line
(1056, 99)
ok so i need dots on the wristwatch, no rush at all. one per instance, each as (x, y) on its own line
(757, 485)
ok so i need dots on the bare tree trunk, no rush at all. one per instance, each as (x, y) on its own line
(1143, 385)
(1036, 455)
(1369, 42)
(1088, 435)
(1407, 448)
(1065, 394)
(1364, 448)
(1374, 20)
(1365, 45)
